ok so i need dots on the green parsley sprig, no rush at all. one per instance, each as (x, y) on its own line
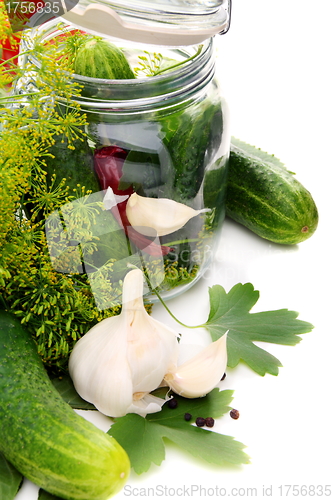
(230, 312)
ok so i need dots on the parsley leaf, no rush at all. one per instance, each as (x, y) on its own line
(66, 389)
(143, 438)
(230, 311)
(44, 495)
(10, 479)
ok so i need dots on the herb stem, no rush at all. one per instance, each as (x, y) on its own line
(171, 314)
(13, 58)
(179, 242)
(180, 63)
(14, 97)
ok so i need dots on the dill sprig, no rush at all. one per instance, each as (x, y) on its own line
(56, 308)
(72, 45)
(154, 64)
(149, 64)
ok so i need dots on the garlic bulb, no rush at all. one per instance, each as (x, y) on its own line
(200, 374)
(158, 216)
(123, 358)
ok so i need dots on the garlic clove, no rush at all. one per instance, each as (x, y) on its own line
(198, 376)
(161, 216)
(148, 369)
(114, 394)
(99, 369)
(152, 346)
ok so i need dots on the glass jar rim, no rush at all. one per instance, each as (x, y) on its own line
(174, 84)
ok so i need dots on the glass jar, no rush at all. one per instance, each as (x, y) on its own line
(160, 140)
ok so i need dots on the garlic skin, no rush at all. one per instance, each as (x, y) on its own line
(200, 374)
(123, 358)
(158, 216)
(111, 200)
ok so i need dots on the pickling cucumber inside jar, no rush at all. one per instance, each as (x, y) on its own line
(151, 165)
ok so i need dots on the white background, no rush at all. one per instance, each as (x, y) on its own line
(275, 66)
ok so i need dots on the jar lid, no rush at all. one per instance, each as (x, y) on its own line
(158, 22)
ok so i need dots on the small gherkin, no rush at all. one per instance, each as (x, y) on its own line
(97, 58)
(267, 198)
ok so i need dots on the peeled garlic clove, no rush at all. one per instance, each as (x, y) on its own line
(158, 216)
(198, 376)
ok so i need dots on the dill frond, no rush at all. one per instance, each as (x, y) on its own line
(57, 308)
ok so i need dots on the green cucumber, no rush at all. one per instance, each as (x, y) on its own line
(267, 198)
(192, 137)
(97, 58)
(61, 162)
(75, 165)
(42, 436)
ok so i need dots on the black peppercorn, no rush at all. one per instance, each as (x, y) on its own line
(172, 403)
(223, 376)
(200, 421)
(234, 414)
(187, 417)
(209, 422)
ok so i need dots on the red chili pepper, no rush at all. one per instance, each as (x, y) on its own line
(19, 14)
(9, 50)
(10, 47)
(108, 163)
(17, 19)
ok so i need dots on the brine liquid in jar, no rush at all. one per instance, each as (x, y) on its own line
(153, 163)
